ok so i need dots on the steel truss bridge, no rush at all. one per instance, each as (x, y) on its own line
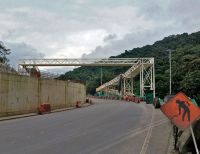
(144, 67)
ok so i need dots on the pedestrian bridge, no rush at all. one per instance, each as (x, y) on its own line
(138, 66)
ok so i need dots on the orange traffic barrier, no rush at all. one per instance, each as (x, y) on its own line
(137, 100)
(44, 108)
(91, 102)
(78, 104)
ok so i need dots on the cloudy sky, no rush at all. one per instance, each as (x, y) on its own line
(91, 28)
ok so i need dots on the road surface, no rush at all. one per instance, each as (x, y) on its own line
(107, 127)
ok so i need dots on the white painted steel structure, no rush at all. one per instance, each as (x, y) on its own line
(143, 67)
(139, 66)
(79, 62)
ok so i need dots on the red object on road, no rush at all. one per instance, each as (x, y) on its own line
(181, 110)
(137, 100)
(44, 108)
(78, 104)
(125, 98)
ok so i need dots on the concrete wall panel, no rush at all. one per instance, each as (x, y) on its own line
(18, 94)
(53, 92)
(22, 94)
(75, 92)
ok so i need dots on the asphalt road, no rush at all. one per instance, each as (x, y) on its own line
(106, 127)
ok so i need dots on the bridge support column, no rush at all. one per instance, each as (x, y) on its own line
(128, 86)
(142, 79)
(124, 89)
(147, 78)
(132, 86)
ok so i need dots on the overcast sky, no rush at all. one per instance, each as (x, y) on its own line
(91, 28)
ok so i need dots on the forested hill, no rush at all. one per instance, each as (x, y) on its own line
(185, 65)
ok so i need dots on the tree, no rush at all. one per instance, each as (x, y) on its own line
(185, 66)
(3, 53)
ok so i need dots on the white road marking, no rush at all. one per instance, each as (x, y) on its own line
(148, 136)
(133, 133)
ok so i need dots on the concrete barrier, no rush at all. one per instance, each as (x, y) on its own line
(53, 93)
(22, 94)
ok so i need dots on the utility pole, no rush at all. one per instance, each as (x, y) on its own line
(175, 129)
(170, 70)
(101, 76)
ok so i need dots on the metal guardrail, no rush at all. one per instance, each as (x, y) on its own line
(49, 75)
(44, 74)
(7, 68)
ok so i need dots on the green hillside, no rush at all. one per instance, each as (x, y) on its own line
(185, 66)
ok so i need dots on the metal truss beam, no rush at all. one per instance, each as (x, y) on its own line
(143, 67)
(83, 62)
(112, 82)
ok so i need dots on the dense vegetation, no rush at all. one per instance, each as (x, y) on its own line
(3, 53)
(185, 66)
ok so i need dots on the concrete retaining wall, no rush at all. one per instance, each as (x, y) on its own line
(22, 94)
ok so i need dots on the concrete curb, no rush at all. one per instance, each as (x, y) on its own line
(35, 114)
(171, 143)
(70, 108)
(63, 109)
(87, 104)
(18, 116)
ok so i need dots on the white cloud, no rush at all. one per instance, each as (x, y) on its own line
(110, 37)
(85, 28)
(49, 33)
(59, 36)
(152, 21)
(19, 50)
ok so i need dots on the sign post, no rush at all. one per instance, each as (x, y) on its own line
(194, 140)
